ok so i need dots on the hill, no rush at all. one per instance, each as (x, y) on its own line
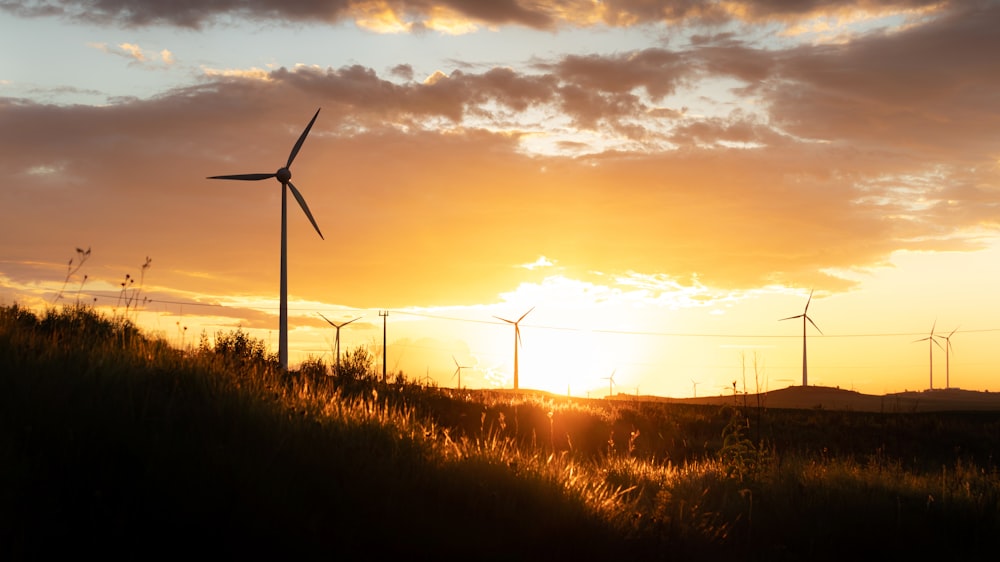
(802, 398)
(831, 398)
(116, 444)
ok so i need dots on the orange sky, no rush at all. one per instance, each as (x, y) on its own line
(662, 183)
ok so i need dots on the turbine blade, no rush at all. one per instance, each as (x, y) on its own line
(302, 139)
(517, 334)
(792, 317)
(809, 301)
(302, 203)
(349, 321)
(245, 177)
(814, 324)
(525, 314)
(504, 319)
(327, 319)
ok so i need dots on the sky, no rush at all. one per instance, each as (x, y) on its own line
(656, 184)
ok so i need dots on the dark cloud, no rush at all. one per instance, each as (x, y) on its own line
(930, 90)
(536, 15)
(657, 71)
(403, 71)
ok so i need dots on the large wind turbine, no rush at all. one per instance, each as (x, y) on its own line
(284, 176)
(517, 339)
(611, 383)
(337, 337)
(947, 358)
(458, 371)
(805, 317)
(931, 342)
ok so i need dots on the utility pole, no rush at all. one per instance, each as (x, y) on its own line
(384, 314)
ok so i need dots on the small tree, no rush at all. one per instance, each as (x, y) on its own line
(358, 365)
(314, 370)
(238, 348)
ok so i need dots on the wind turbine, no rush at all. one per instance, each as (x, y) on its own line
(695, 383)
(611, 383)
(947, 359)
(284, 176)
(804, 316)
(930, 344)
(337, 338)
(458, 371)
(517, 339)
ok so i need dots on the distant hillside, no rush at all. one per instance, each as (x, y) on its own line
(830, 398)
(806, 398)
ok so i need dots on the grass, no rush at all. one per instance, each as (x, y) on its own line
(118, 444)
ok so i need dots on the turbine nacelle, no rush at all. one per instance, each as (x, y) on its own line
(283, 175)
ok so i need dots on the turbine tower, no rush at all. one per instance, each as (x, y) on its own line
(611, 383)
(805, 317)
(517, 339)
(284, 176)
(337, 338)
(947, 358)
(458, 371)
(931, 342)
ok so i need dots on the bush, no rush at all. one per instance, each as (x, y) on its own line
(358, 365)
(238, 349)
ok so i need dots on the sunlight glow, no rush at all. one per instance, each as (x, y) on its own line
(380, 17)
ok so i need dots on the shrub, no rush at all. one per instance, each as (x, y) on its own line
(239, 349)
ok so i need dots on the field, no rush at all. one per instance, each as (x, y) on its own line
(117, 444)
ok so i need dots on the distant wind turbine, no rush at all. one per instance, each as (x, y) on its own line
(611, 382)
(931, 342)
(458, 371)
(517, 339)
(804, 316)
(284, 176)
(337, 338)
(695, 383)
(947, 358)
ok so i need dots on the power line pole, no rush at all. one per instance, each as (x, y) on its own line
(384, 314)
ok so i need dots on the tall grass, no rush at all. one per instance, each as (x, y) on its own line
(118, 442)
(115, 442)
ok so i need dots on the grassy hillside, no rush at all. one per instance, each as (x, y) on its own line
(115, 443)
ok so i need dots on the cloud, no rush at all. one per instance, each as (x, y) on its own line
(542, 261)
(456, 16)
(428, 192)
(132, 51)
(136, 54)
(253, 73)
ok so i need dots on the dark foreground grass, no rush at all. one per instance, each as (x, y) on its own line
(115, 444)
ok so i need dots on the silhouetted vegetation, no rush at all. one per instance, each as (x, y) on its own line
(119, 444)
